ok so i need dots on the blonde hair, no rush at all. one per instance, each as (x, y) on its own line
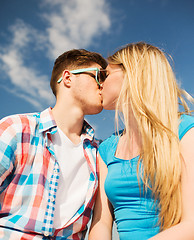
(150, 90)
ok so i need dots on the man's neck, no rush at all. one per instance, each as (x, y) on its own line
(70, 120)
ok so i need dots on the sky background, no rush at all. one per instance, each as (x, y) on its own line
(34, 32)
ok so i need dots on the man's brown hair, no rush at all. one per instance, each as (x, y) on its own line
(74, 59)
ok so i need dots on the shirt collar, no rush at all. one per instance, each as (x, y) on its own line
(47, 123)
(87, 131)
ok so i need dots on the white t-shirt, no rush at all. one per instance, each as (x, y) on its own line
(73, 178)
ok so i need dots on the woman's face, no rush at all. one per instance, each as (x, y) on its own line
(112, 86)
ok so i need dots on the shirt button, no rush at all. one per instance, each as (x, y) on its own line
(55, 171)
(46, 234)
(52, 199)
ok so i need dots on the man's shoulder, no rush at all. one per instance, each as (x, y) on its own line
(16, 120)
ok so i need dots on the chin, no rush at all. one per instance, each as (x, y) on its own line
(108, 107)
(95, 110)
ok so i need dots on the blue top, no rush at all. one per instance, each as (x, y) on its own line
(136, 212)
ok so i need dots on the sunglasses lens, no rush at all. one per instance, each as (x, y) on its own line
(102, 74)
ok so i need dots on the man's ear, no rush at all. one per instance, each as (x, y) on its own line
(66, 78)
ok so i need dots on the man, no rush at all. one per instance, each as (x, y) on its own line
(48, 179)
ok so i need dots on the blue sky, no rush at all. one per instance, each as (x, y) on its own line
(34, 33)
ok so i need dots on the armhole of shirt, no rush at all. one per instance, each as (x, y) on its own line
(105, 147)
(102, 152)
(187, 122)
(108, 145)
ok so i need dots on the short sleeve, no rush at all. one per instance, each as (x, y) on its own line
(107, 148)
(186, 123)
(103, 150)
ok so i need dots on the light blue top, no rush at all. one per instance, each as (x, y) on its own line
(136, 212)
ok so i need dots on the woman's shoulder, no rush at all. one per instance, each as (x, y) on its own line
(109, 145)
(186, 123)
(111, 140)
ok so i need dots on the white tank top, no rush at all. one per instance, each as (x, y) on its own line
(73, 178)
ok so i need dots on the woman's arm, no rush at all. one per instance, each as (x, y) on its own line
(185, 229)
(101, 227)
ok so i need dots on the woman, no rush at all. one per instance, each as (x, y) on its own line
(147, 169)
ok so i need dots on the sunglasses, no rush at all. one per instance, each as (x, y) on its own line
(100, 75)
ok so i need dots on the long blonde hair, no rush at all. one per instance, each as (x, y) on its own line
(151, 91)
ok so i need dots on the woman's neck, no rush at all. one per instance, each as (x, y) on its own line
(130, 143)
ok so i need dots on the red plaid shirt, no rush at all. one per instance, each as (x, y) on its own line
(29, 173)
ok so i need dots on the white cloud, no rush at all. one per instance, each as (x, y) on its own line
(24, 78)
(69, 24)
(75, 23)
(27, 82)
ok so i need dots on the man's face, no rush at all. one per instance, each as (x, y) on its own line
(86, 91)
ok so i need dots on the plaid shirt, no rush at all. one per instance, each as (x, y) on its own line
(29, 173)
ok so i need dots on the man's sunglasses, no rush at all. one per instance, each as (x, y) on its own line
(100, 76)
